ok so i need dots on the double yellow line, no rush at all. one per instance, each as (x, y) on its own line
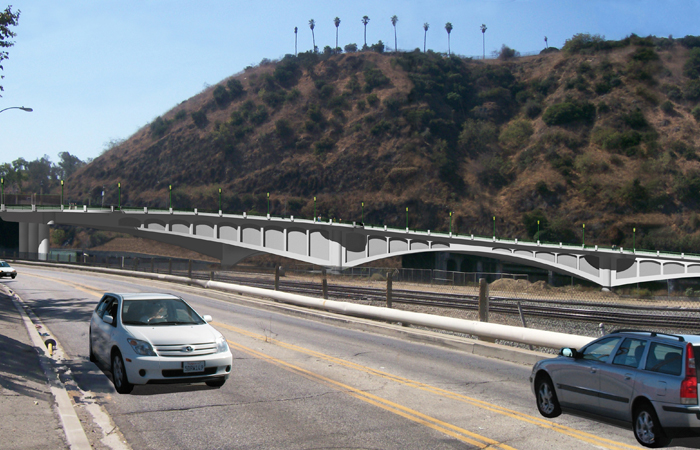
(451, 430)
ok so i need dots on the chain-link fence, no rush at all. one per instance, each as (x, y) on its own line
(512, 298)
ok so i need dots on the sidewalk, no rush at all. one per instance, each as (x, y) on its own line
(29, 418)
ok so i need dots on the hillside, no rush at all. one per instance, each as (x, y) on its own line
(602, 133)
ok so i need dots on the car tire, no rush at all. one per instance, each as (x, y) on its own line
(216, 383)
(547, 401)
(13, 276)
(647, 429)
(119, 378)
(92, 355)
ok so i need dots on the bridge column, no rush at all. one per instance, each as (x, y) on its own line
(23, 239)
(43, 242)
(32, 242)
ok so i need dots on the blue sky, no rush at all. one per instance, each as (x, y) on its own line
(95, 71)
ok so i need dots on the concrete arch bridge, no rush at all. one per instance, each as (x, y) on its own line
(231, 238)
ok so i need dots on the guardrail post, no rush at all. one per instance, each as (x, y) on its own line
(483, 300)
(211, 275)
(324, 284)
(388, 289)
(189, 268)
(152, 265)
(170, 266)
(277, 277)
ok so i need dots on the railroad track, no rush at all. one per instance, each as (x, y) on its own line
(651, 317)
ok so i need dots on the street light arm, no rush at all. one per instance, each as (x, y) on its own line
(17, 107)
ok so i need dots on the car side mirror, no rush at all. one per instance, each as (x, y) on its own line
(207, 318)
(569, 352)
(108, 319)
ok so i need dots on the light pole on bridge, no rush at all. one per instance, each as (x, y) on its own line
(119, 195)
(407, 218)
(450, 223)
(584, 235)
(363, 213)
(2, 191)
(634, 236)
(494, 227)
(314, 209)
(170, 195)
(268, 204)
(220, 201)
(62, 193)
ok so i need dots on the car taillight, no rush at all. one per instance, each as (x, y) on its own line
(689, 385)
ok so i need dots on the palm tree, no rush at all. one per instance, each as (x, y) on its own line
(295, 40)
(448, 27)
(395, 19)
(483, 38)
(426, 25)
(336, 21)
(312, 25)
(365, 21)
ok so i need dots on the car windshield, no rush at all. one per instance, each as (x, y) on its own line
(4, 264)
(158, 312)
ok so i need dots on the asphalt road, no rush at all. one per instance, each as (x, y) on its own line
(300, 382)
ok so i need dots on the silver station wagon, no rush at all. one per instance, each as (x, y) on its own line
(640, 378)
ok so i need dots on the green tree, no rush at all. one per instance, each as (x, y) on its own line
(395, 19)
(7, 19)
(426, 25)
(68, 164)
(365, 21)
(336, 21)
(448, 28)
(312, 25)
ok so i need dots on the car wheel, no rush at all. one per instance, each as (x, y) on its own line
(13, 276)
(121, 383)
(547, 402)
(216, 383)
(92, 355)
(647, 429)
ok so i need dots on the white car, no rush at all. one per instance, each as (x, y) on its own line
(157, 339)
(6, 270)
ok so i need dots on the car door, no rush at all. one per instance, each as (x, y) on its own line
(618, 377)
(103, 331)
(578, 381)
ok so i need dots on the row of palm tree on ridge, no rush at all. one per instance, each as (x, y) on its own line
(394, 20)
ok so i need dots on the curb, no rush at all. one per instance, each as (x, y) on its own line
(75, 435)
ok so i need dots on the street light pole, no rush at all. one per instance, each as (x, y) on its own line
(119, 199)
(219, 200)
(17, 107)
(634, 236)
(584, 235)
(61, 193)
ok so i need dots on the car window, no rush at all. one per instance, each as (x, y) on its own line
(101, 305)
(665, 359)
(111, 308)
(600, 350)
(630, 352)
(4, 264)
(159, 312)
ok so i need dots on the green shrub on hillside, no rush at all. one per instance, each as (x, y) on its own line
(477, 136)
(569, 112)
(691, 68)
(372, 100)
(272, 98)
(160, 126)
(235, 88)
(324, 145)
(532, 109)
(672, 91)
(691, 90)
(585, 43)
(259, 115)
(292, 95)
(221, 95)
(199, 118)
(687, 187)
(644, 54)
(635, 120)
(516, 135)
(374, 78)
(696, 113)
(647, 95)
(610, 139)
(535, 222)
(496, 173)
(667, 107)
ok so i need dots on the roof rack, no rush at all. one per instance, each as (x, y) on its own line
(651, 333)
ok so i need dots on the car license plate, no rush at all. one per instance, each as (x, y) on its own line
(193, 366)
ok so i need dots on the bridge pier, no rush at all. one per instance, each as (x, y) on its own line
(34, 240)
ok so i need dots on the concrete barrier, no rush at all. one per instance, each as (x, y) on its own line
(485, 330)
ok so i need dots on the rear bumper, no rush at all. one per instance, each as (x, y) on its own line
(679, 420)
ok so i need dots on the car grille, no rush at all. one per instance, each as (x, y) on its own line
(182, 350)
(171, 373)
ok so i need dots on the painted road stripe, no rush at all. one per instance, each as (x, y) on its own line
(538, 421)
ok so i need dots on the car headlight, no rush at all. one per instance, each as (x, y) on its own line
(141, 347)
(221, 344)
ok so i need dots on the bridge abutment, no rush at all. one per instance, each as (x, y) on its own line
(34, 240)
